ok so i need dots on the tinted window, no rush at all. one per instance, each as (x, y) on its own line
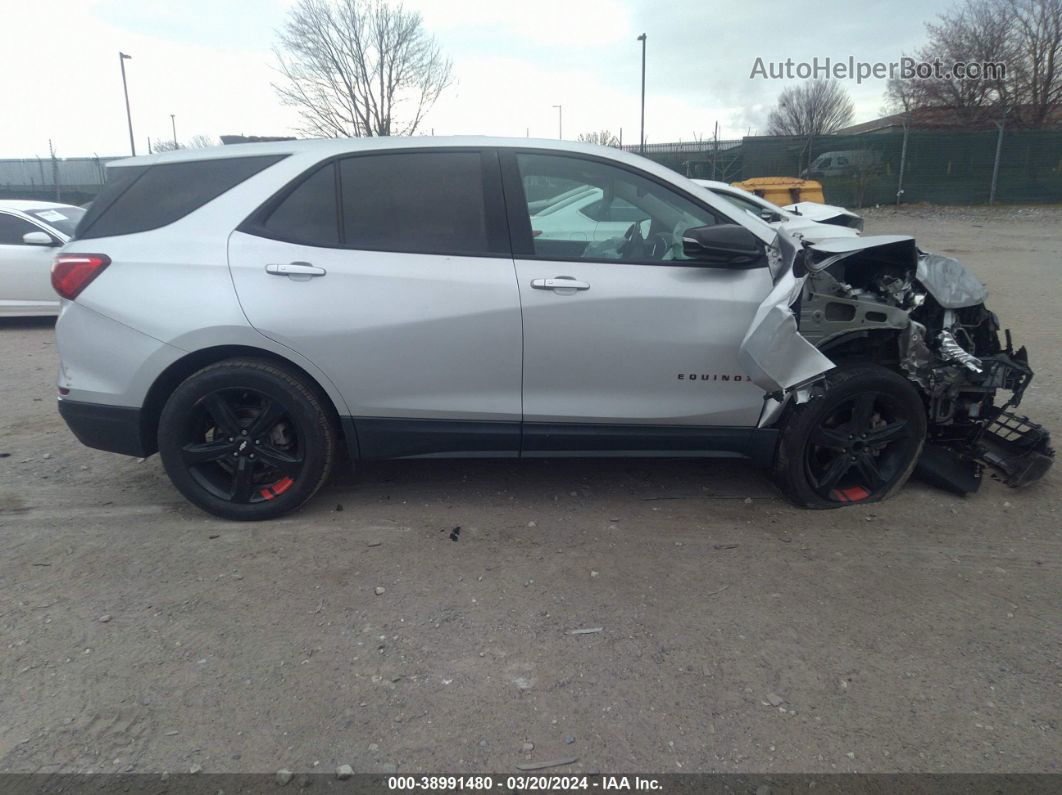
(606, 212)
(13, 228)
(430, 202)
(118, 179)
(309, 214)
(164, 193)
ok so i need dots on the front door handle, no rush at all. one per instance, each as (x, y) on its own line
(294, 269)
(560, 283)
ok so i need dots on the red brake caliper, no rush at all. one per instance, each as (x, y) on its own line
(278, 488)
(851, 494)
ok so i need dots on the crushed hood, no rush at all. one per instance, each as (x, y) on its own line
(885, 249)
(814, 232)
(949, 281)
(777, 357)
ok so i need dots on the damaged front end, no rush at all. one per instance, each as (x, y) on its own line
(923, 315)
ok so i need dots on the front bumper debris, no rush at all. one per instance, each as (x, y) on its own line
(1017, 449)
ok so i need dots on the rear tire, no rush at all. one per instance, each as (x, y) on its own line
(858, 443)
(246, 439)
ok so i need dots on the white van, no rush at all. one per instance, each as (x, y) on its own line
(843, 163)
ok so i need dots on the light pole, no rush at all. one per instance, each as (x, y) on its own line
(173, 123)
(560, 121)
(642, 139)
(128, 113)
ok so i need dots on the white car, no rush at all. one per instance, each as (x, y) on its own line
(810, 220)
(826, 214)
(30, 233)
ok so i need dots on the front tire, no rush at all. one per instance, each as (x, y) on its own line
(858, 443)
(246, 439)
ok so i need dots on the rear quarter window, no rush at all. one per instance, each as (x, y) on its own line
(140, 198)
(310, 213)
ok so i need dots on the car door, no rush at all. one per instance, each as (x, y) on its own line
(627, 331)
(25, 270)
(408, 301)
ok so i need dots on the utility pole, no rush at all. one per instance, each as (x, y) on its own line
(173, 123)
(715, 149)
(903, 157)
(999, 151)
(122, 57)
(642, 140)
(560, 121)
(55, 171)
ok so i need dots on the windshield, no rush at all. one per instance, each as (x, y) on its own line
(63, 218)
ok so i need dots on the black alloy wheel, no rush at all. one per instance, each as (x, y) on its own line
(859, 448)
(858, 442)
(242, 446)
(247, 439)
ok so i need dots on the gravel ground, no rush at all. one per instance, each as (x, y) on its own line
(737, 633)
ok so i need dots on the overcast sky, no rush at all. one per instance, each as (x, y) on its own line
(210, 62)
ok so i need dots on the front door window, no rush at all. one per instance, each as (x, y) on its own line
(581, 209)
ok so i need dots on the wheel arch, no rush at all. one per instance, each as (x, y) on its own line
(798, 418)
(876, 346)
(862, 346)
(172, 376)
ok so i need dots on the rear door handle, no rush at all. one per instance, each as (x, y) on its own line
(295, 269)
(559, 283)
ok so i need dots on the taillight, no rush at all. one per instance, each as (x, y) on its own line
(72, 273)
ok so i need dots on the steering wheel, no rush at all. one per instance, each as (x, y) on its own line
(635, 246)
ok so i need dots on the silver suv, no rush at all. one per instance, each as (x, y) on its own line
(251, 312)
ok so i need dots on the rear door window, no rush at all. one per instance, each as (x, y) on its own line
(156, 195)
(419, 202)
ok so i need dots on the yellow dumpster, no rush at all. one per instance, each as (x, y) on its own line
(784, 190)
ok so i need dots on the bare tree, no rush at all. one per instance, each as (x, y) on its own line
(200, 142)
(977, 31)
(811, 109)
(195, 142)
(1037, 80)
(1025, 35)
(602, 138)
(356, 68)
(900, 97)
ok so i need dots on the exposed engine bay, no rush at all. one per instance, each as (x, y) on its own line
(924, 315)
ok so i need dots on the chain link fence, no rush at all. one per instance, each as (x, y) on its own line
(70, 180)
(937, 166)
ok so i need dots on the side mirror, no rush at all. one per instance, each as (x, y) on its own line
(38, 239)
(723, 246)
